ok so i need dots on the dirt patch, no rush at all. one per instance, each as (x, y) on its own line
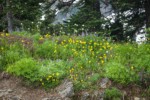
(11, 88)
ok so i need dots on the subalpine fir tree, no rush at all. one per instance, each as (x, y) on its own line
(15, 12)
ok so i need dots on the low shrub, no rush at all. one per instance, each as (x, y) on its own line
(46, 50)
(52, 72)
(112, 94)
(27, 68)
(120, 73)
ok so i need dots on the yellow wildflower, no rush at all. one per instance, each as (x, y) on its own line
(49, 76)
(2, 34)
(89, 61)
(47, 35)
(41, 38)
(47, 79)
(57, 74)
(7, 34)
(102, 61)
(132, 67)
(81, 80)
(22, 41)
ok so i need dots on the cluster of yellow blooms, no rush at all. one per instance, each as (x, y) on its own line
(50, 79)
(44, 37)
(4, 34)
(93, 52)
(92, 48)
(98, 51)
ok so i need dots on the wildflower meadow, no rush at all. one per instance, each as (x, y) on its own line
(46, 60)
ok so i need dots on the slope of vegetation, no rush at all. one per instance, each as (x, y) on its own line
(46, 60)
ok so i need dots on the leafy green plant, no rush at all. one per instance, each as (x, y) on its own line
(46, 50)
(94, 78)
(52, 72)
(135, 59)
(112, 94)
(26, 68)
(120, 73)
(12, 53)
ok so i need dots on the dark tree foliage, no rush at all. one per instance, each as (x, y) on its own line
(16, 12)
(49, 16)
(88, 18)
(136, 13)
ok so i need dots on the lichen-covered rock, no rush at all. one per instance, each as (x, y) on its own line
(98, 95)
(53, 98)
(66, 90)
(105, 82)
(85, 96)
(3, 92)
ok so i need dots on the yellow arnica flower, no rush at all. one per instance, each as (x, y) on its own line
(57, 74)
(2, 34)
(47, 35)
(7, 34)
(102, 61)
(100, 57)
(132, 67)
(41, 38)
(89, 61)
(22, 41)
(82, 42)
(47, 79)
(40, 79)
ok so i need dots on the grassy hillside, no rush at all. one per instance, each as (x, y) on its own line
(46, 60)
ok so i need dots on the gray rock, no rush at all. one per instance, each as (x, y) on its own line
(136, 98)
(53, 98)
(66, 90)
(85, 96)
(104, 82)
(9, 90)
(45, 99)
(98, 95)
(67, 99)
(15, 98)
(3, 93)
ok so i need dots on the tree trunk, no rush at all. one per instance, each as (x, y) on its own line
(9, 21)
(9, 18)
(147, 13)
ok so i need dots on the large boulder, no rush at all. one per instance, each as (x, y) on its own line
(66, 90)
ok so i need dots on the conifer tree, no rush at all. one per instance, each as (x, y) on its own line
(15, 12)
